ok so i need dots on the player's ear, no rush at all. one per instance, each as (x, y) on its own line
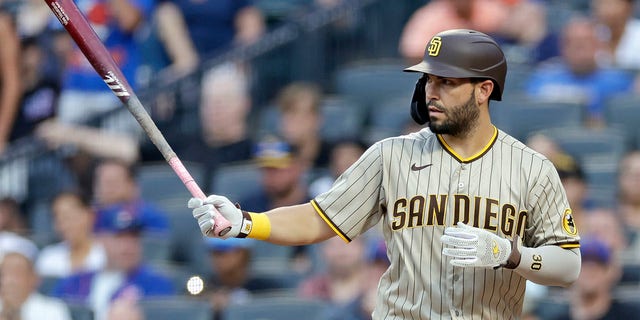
(484, 89)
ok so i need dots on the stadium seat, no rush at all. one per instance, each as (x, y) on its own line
(623, 111)
(178, 274)
(236, 181)
(278, 308)
(388, 118)
(175, 308)
(373, 81)
(80, 311)
(598, 151)
(156, 247)
(586, 143)
(342, 118)
(521, 117)
(160, 185)
(47, 284)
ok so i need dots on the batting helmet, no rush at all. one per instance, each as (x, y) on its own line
(458, 53)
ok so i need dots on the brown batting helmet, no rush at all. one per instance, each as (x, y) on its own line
(458, 53)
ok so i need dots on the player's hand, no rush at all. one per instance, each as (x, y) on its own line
(203, 212)
(474, 247)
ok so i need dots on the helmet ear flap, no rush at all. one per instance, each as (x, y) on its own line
(419, 111)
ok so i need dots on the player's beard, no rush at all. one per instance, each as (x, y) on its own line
(460, 119)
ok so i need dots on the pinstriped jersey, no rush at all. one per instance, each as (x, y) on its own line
(416, 185)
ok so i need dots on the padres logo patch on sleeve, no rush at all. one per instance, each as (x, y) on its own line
(568, 224)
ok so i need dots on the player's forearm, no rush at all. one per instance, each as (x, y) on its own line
(550, 265)
(297, 225)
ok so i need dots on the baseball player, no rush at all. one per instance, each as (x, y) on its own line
(468, 212)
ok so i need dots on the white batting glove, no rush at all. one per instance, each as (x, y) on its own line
(203, 212)
(474, 247)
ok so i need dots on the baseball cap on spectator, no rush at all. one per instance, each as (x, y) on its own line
(567, 167)
(151, 219)
(592, 249)
(226, 245)
(13, 243)
(118, 219)
(274, 153)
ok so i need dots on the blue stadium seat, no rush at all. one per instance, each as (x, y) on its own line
(175, 308)
(80, 311)
(156, 247)
(342, 118)
(521, 117)
(373, 81)
(160, 185)
(277, 308)
(586, 143)
(623, 111)
(236, 181)
(388, 118)
(598, 151)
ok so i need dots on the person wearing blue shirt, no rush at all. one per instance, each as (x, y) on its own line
(126, 275)
(576, 75)
(84, 93)
(215, 25)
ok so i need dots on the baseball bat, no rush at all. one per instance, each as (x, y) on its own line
(94, 50)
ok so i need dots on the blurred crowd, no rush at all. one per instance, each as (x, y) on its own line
(105, 232)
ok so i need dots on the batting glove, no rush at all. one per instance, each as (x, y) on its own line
(474, 247)
(203, 212)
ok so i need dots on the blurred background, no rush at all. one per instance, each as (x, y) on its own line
(267, 102)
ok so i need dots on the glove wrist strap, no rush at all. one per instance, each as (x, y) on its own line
(247, 225)
(255, 225)
(514, 258)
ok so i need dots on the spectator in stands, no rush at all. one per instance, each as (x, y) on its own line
(606, 225)
(343, 155)
(172, 33)
(224, 129)
(79, 250)
(212, 25)
(84, 94)
(39, 90)
(575, 76)
(282, 176)
(521, 21)
(629, 195)
(348, 281)
(301, 119)
(230, 282)
(283, 184)
(9, 77)
(126, 276)
(19, 297)
(11, 217)
(116, 190)
(591, 296)
(619, 30)
(89, 141)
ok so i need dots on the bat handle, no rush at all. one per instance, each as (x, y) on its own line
(222, 225)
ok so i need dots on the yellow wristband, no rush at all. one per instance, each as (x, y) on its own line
(261, 226)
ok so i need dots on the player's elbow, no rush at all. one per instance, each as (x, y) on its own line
(572, 274)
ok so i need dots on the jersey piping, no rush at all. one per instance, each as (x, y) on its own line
(478, 155)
